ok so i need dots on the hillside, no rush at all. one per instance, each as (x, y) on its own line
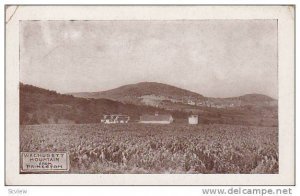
(42, 106)
(133, 93)
(174, 98)
(256, 98)
(39, 105)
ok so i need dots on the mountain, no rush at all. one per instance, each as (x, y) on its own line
(171, 97)
(38, 105)
(134, 93)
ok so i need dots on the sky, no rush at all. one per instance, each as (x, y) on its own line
(216, 58)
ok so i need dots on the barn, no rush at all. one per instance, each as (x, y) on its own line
(193, 119)
(156, 119)
(115, 118)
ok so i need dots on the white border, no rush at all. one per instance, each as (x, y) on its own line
(285, 16)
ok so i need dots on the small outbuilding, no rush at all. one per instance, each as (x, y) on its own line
(193, 119)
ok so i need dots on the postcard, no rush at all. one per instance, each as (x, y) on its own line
(150, 95)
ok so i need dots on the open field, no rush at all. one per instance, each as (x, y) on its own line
(140, 148)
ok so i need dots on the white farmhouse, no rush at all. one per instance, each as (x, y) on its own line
(115, 118)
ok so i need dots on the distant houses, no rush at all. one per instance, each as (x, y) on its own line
(115, 118)
(156, 119)
(157, 100)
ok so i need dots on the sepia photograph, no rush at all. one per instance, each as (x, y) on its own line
(148, 96)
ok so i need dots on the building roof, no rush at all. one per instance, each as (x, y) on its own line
(158, 117)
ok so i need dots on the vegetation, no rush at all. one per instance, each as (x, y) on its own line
(139, 148)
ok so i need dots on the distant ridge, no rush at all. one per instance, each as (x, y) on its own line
(42, 106)
(140, 89)
(131, 93)
(256, 97)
